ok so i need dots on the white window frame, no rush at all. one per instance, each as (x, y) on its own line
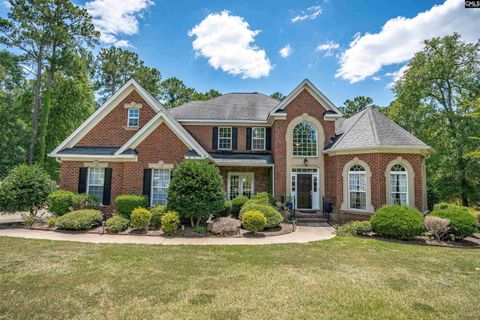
(398, 173)
(315, 187)
(258, 139)
(240, 183)
(152, 187)
(96, 185)
(364, 173)
(316, 137)
(228, 138)
(129, 117)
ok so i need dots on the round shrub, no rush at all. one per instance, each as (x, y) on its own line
(227, 209)
(156, 214)
(170, 222)
(237, 204)
(263, 198)
(355, 228)
(25, 188)
(140, 218)
(196, 190)
(254, 220)
(274, 218)
(80, 220)
(60, 201)
(117, 224)
(52, 222)
(85, 201)
(462, 222)
(401, 222)
(126, 203)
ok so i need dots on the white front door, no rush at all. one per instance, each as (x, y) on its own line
(298, 189)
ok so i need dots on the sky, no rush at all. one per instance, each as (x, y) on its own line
(346, 48)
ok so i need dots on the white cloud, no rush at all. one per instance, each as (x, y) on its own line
(114, 18)
(376, 78)
(285, 51)
(309, 14)
(228, 43)
(328, 47)
(396, 75)
(401, 37)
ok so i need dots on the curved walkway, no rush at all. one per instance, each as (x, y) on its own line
(301, 235)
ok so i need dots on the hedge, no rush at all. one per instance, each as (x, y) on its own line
(274, 218)
(80, 220)
(60, 201)
(125, 204)
(402, 222)
(462, 222)
(117, 224)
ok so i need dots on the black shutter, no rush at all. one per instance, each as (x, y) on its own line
(249, 138)
(82, 180)
(234, 138)
(107, 187)
(215, 138)
(147, 183)
(268, 138)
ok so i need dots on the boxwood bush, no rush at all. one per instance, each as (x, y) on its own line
(117, 224)
(85, 201)
(80, 220)
(60, 201)
(156, 214)
(170, 222)
(401, 222)
(274, 218)
(237, 204)
(227, 209)
(139, 218)
(263, 198)
(355, 228)
(462, 221)
(254, 220)
(126, 203)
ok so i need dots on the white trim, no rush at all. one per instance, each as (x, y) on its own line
(315, 196)
(105, 109)
(317, 94)
(241, 163)
(240, 185)
(88, 182)
(264, 139)
(83, 157)
(381, 149)
(410, 172)
(231, 138)
(208, 122)
(345, 204)
(151, 184)
(306, 119)
(133, 118)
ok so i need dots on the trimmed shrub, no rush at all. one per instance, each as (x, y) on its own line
(156, 214)
(80, 220)
(225, 225)
(25, 188)
(462, 222)
(126, 203)
(237, 204)
(274, 218)
(201, 230)
(437, 226)
(355, 228)
(140, 218)
(196, 190)
(117, 224)
(254, 220)
(84, 201)
(227, 209)
(170, 222)
(60, 201)
(263, 198)
(52, 222)
(401, 222)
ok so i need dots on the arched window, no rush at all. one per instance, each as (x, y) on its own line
(398, 185)
(305, 140)
(357, 188)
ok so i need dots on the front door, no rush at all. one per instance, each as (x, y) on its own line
(304, 191)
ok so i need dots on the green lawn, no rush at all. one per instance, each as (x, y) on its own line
(343, 278)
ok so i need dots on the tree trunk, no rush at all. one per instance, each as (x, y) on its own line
(37, 106)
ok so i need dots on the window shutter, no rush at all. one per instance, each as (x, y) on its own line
(107, 187)
(215, 138)
(268, 138)
(82, 180)
(234, 138)
(147, 183)
(249, 138)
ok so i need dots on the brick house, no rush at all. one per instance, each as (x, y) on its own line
(299, 149)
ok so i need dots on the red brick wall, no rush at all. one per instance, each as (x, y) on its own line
(110, 132)
(378, 163)
(261, 176)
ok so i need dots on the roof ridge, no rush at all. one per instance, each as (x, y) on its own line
(348, 130)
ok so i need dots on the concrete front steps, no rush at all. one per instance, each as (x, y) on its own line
(311, 218)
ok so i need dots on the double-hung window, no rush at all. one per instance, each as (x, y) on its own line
(357, 190)
(258, 138)
(133, 117)
(95, 182)
(399, 185)
(160, 183)
(225, 138)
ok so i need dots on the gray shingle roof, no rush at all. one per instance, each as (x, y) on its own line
(370, 128)
(230, 106)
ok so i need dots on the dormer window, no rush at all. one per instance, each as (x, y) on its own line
(133, 117)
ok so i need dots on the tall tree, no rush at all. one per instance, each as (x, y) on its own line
(175, 92)
(277, 95)
(350, 107)
(433, 101)
(115, 66)
(42, 30)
